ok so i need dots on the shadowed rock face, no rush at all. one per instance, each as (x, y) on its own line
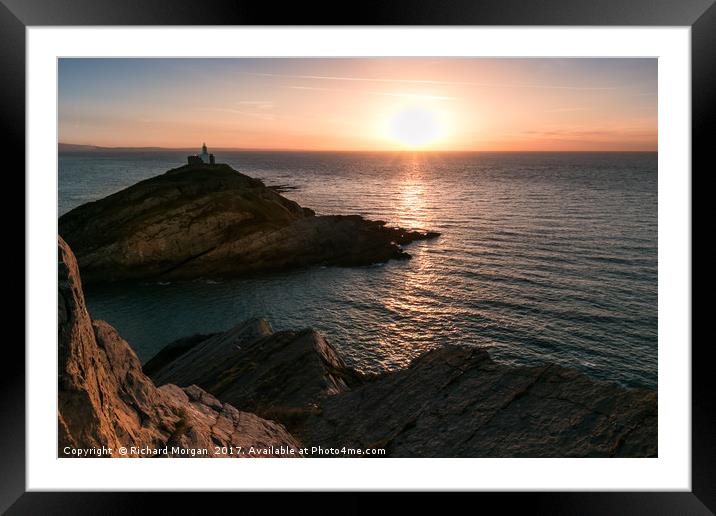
(212, 221)
(451, 402)
(456, 402)
(105, 399)
(280, 375)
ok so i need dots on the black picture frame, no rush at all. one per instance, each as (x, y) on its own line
(17, 15)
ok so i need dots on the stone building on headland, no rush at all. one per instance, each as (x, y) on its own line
(201, 159)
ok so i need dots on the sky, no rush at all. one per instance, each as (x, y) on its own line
(457, 104)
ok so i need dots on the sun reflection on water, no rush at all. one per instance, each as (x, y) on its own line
(410, 201)
(415, 317)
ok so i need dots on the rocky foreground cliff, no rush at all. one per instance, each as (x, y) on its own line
(106, 402)
(453, 401)
(253, 387)
(212, 221)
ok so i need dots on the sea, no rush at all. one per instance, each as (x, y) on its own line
(543, 257)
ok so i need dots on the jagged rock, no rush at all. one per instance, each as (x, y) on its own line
(212, 221)
(451, 402)
(280, 375)
(105, 400)
(456, 402)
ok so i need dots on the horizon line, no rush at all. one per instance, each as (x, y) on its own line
(278, 149)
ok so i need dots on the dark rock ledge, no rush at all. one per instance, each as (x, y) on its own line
(454, 401)
(212, 221)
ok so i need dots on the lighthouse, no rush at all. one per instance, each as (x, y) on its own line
(204, 157)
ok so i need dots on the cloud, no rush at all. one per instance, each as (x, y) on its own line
(253, 114)
(426, 81)
(258, 104)
(592, 133)
(382, 93)
(260, 109)
(566, 110)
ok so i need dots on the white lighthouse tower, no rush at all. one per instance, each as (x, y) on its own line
(201, 159)
(204, 156)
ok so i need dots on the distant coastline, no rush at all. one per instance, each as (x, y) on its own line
(76, 147)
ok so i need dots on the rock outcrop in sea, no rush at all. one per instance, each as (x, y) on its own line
(105, 401)
(212, 221)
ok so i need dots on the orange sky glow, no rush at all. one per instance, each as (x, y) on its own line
(361, 104)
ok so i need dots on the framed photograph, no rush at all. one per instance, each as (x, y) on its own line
(452, 239)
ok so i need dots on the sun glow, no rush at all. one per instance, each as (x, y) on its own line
(415, 127)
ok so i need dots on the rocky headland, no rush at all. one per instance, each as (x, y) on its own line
(252, 386)
(209, 221)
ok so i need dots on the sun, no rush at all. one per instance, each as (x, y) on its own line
(415, 127)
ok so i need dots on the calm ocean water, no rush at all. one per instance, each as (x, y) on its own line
(543, 257)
